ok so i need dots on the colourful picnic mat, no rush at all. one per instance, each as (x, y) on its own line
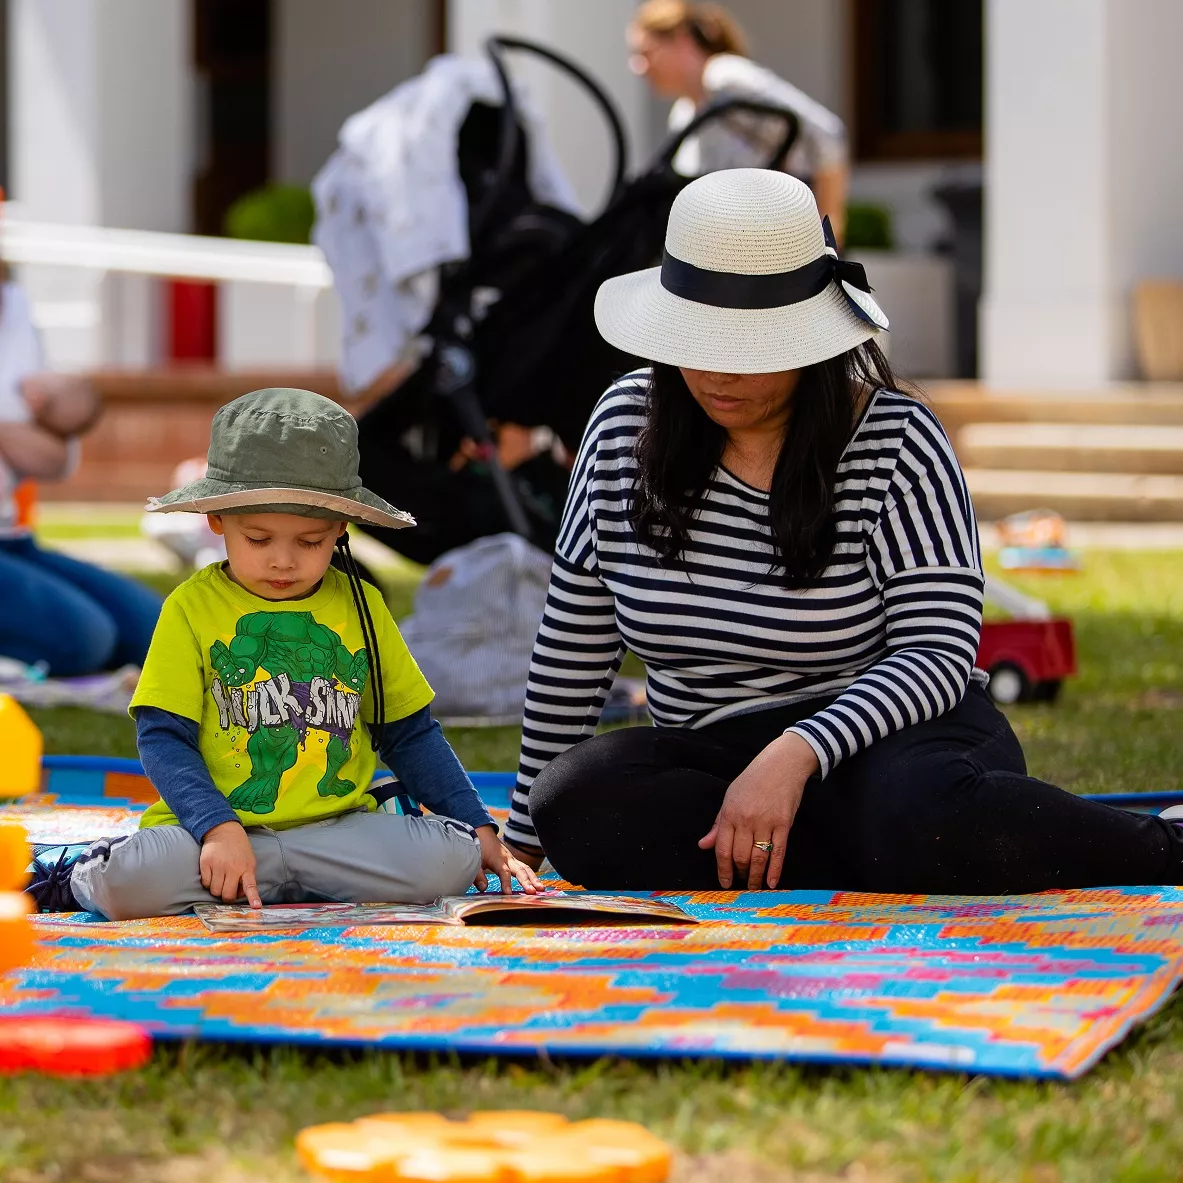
(1029, 985)
(82, 798)
(1038, 985)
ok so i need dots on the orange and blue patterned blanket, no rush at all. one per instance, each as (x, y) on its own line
(1039, 985)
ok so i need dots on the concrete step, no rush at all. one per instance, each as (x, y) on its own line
(1079, 496)
(1072, 447)
(1141, 404)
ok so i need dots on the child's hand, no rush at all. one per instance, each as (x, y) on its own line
(227, 859)
(496, 858)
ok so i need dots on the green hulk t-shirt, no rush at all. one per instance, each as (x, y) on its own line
(280, 691)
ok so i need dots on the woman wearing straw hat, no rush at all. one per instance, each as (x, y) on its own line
(787, 543)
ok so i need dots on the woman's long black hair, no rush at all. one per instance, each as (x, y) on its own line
(680, 446)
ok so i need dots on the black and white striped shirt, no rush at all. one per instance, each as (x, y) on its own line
(890, 627)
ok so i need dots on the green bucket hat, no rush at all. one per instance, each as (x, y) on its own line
(263, 449)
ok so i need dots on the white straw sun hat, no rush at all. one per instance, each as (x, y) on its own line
(750, 283)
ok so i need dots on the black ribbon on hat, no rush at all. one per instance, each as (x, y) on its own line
(731, 289)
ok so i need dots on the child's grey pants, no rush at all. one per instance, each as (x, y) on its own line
(357, 857)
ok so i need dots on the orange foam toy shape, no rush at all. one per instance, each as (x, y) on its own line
(14, 856)
(509, 1128)
(640, 1156)
(16, 933)
(20, 750)
(490, 1147)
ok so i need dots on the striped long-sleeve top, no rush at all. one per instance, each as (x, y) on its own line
(890, 627)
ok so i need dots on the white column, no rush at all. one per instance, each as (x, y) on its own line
(325, 68)
(1083, 182)
(100, 111)
(1146, 155)
(592, 35)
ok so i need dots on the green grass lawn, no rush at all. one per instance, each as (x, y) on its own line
(210, 1112)
(64, 522)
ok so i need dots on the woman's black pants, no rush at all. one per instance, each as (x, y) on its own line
(943, 807)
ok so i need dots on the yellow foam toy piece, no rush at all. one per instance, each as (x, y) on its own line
(14, 856)
(20, 750)
(512, 1146)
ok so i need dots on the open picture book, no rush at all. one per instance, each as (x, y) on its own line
(547, 908)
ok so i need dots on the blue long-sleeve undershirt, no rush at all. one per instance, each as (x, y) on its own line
(413, 748)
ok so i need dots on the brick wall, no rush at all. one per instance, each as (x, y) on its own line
(153, 420)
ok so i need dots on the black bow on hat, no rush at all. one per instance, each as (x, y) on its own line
(729, 289)
(848, 275)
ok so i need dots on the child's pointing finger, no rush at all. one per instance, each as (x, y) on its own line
(251, 891)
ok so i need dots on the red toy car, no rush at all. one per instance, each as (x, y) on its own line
(1027, 659)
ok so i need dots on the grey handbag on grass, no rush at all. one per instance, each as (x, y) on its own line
(472, 630)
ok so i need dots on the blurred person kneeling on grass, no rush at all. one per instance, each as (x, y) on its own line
(68, 617)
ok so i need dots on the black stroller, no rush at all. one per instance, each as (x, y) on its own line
(533, 356)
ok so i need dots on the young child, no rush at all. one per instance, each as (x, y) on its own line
(270, 682)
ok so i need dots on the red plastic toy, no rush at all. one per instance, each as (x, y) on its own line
(1027, 659)
(63, 1046)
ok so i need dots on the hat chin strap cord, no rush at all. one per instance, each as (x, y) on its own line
(369, 635)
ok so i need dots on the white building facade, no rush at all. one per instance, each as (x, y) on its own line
(109, 124)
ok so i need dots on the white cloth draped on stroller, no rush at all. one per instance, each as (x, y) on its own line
(392, 208)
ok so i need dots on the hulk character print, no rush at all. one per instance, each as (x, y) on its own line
(314, 684)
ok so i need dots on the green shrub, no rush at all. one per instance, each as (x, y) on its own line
(868, 227)
(274, 213)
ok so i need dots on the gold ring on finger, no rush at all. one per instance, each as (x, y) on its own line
(766, 847)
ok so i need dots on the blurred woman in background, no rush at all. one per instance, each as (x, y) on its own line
(65, 616)
(696, 54)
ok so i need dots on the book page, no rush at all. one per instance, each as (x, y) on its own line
(287, 917)
(471, 908)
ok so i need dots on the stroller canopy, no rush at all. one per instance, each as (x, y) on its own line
(392, 203)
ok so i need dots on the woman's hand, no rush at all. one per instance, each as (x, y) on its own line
(532, 858)
(228, 859)
(495, 857)
(759, 807)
